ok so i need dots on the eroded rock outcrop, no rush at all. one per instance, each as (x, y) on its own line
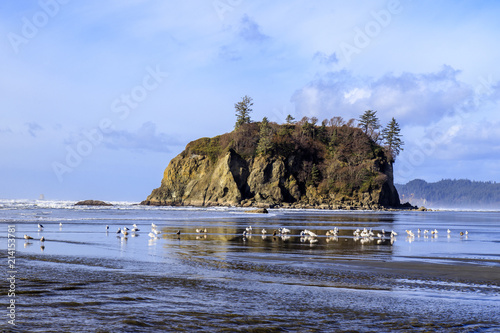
(227, 172)
(92, 203)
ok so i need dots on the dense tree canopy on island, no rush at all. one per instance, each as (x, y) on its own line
(271, 135)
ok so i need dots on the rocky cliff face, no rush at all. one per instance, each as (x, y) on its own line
(210, 173)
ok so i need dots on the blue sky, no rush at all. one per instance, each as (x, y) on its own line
(98, 96)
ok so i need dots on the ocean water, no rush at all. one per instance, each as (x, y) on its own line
(85, 278)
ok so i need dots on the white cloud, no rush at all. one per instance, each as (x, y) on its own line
(413, 98)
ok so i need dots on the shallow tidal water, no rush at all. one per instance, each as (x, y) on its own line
(86, 279)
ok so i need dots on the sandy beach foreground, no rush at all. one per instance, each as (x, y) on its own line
(458, 270)
(85, 277)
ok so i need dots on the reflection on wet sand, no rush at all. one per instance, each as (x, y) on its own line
(310, 271)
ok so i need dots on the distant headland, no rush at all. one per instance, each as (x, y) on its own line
(332, 165)
(454, 194)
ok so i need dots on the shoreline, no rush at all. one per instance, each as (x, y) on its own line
(312, 208)
(346, 207)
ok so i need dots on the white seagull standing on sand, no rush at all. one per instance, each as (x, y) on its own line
(284, 231)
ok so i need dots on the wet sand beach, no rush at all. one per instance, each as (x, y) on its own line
(90, 279)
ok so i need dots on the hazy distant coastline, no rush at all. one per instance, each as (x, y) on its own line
(461, 194)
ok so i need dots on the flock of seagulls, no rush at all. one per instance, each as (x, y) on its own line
(433, 234)
(125, 231)
(362, 235)
(42, 239)
(306, 236)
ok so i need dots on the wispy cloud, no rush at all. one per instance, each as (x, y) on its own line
(33, 128)
(250, 31)
(145, 138)
(326, 59)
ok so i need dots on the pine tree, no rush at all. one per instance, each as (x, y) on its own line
(265, 137)
(392, 138)
(315, 175)
(243, 110)
(369, 123)
(290, 120)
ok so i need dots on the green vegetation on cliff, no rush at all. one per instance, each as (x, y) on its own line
(297, 163)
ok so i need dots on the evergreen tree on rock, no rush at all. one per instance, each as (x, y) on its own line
(243, 109)
(369, 123)
(265, 137)
(392, 138)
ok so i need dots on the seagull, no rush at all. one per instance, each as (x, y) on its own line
(153, 225)
(264, 231)
(393, 234)
(125, 232)
(107, 227)
(27, 237)
(119, 230)
(284, 231)
(40, 227)
(309, 233)
(249, 229)
(42, 239)
(135, 229)
(449, 231)
(60, 224)
(333, 232)
(178, 232)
